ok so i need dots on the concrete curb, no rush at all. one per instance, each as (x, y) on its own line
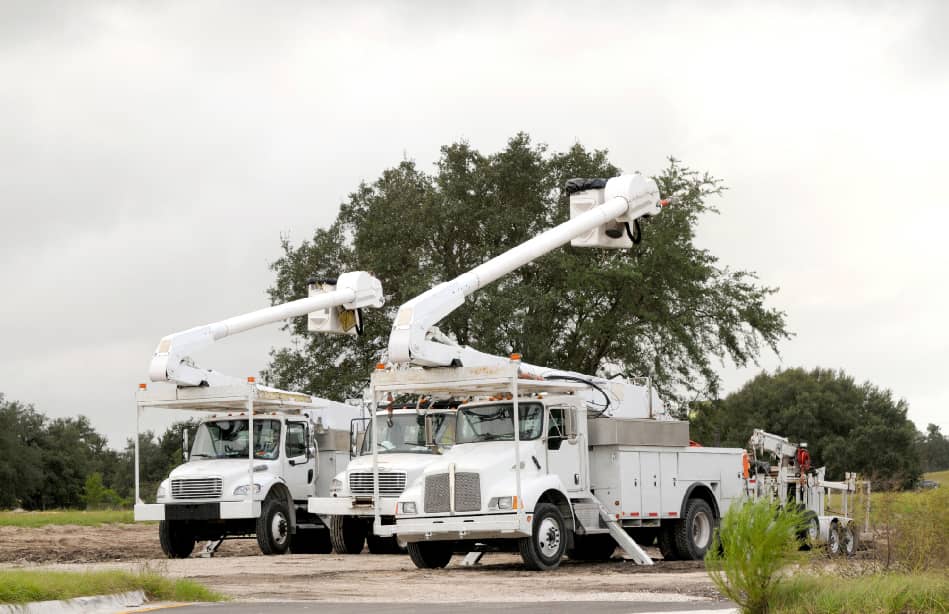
(92, 604)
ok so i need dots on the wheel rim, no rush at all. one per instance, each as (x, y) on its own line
(548, 537)
(701, 529)
(813, 530)
(834, 541)
(278, 528)
(848, 541)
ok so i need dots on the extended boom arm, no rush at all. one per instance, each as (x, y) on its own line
(414, 339)
(350, 292)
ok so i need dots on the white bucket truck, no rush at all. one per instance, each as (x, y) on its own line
(537, 468)
(262, 452)
(408, 439)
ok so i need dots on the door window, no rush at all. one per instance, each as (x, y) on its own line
(296, 439)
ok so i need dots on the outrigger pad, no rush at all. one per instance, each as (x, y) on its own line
(580, 184)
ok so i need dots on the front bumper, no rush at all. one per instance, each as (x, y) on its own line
(442, 528)
(350, 506)
(215, 510)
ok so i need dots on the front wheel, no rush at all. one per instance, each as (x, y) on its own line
(693, 535)
(348, 534)
(176, 538)
(273, 526)
(545, 547)
(430, 555)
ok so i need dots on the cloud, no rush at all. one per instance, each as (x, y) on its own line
(152, 155)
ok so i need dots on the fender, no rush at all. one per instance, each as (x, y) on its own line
(290, 506)
(688, 495)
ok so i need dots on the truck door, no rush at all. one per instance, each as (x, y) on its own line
(563, 449)
(297, 464)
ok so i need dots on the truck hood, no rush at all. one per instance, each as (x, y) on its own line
(494, 456)
(393, 462)
(229, 469)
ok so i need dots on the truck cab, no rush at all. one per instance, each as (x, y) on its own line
(407, 440)
(249, 473)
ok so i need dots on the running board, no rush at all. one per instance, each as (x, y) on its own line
(627, 543)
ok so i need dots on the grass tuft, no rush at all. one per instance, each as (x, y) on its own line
(875, 594)
(26, 585)
(64, 517)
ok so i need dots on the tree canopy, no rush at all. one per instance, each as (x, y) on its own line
(847, 426)
(665, 308)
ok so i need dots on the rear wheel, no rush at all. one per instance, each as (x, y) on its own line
(833, 538)
(176, 538)
(667, 541)
(545, 547)
(592, 548)
(311, 541)
(693, 535)
(383, 545)
(273, 526)
(848, 540)
(430, 555)
(348, 534)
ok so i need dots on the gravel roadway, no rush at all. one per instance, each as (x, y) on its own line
(239, 571)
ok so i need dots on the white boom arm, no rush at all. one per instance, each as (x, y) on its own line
(351, 291)
(414, 338)
(768, 442)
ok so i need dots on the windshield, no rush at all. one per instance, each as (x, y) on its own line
(228, 439)
(496, 422)
(407, 433)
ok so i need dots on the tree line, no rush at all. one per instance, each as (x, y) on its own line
(54, 463)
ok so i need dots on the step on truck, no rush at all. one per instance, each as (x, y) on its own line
(261, 452)
(407, 439)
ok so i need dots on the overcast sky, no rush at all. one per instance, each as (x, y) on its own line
(151, 155)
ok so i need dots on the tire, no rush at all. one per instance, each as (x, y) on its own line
(833, 539)
(592, 547)
(667, 541)
(693, 536)
(430, 555)
(383, 545)
(543, 550)
(176, 538)
(348, 534)
(311, 541)
(810, 535)
(273, 526)
(848, 540)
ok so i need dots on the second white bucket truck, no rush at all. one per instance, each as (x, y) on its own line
(536, 467)
(261, 452)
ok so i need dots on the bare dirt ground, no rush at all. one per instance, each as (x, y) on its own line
(239, 571)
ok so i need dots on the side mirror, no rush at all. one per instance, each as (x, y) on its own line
(184, 444)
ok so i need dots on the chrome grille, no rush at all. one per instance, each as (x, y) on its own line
(390, 484)
(196, 488)
(467, 492)
(436, 493)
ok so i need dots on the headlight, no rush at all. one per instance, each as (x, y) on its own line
(502, 503)
(336, 486)
(407, 507)
(243, 488)
(162, 493)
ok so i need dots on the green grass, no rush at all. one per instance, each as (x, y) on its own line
(23, 586)
(876, 594)
(70, 517)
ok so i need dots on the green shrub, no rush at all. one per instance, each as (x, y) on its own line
(912, 529)
(25, 585)
(872, 594)
(757, 541)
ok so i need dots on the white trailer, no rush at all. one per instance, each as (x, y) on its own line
(792, 481)
(407, 440)
(263, 452)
